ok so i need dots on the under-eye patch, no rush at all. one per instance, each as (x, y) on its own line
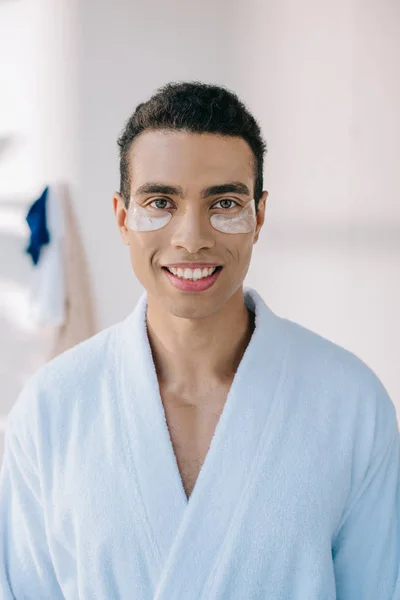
(242, 221)
(146, 218)
(142, 218)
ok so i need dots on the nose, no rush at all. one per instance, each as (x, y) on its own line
(192, 231)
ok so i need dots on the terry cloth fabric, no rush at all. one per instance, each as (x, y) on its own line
(298, 497)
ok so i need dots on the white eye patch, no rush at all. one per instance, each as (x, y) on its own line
(243, 221)
(141, 218)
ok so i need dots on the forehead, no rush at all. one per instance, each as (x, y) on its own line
(190, 159)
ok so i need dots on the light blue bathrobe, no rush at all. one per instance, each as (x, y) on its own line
(298, 498)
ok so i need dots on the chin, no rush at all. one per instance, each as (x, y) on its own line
(198, 305)
(191, 306)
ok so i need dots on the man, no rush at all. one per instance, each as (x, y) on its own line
(204, 447)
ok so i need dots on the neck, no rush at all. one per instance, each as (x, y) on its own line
(193, 352)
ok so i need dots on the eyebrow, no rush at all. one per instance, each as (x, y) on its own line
(236, 187)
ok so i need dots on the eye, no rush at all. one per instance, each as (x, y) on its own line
(160, 203)
(226, 203)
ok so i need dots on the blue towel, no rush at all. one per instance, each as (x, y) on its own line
(36, 219)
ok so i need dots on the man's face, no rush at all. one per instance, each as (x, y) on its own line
(191, 163)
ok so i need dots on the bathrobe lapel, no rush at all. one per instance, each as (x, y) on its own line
(187, 535)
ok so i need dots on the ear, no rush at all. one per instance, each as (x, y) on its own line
(260, 215)
(120, 212)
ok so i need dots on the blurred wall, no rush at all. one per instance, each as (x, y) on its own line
(322, 79)
(38, 140)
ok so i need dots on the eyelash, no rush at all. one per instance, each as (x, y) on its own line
(222, 199)
(155, 200)
(230, 200)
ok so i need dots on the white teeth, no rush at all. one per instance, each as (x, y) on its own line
(197, 274)
(193, 274)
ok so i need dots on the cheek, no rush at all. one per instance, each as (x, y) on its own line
(240, 247)
(142, 247)
(140, 241)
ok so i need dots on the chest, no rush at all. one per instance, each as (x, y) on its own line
(191, 428)
(273, 473)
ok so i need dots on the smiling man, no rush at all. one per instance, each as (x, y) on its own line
(204, 447)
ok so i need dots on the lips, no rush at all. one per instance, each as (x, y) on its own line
(193, 285)
(191, 265)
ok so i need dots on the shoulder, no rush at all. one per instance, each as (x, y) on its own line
(339, 381)
(312, 350)
(61, 381)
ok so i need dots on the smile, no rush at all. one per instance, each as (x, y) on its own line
(192, 280)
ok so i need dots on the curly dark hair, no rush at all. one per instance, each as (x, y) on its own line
(198, 108)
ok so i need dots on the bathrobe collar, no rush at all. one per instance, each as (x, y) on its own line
(175, 523)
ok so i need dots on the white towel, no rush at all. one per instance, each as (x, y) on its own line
(47, 285)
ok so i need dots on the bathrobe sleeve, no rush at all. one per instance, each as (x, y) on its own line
(366, 548)
(26, 570)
